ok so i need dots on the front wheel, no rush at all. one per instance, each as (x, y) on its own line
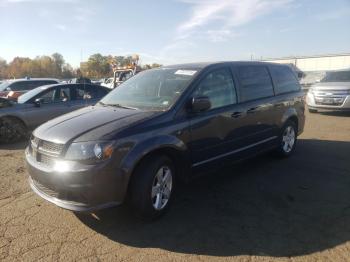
(11, 130)
(287, 139)
(152, 187)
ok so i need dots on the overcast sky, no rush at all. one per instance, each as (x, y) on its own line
(173, 31)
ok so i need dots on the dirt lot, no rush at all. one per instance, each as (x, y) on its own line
(296, 209)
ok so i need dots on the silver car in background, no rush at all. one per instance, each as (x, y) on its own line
(44, 103)
(331, 93)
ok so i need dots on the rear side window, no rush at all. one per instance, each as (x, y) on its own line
(45, 82)
(20, 86)
(29, 85)
(86, 92)
(255, 81)
(285, 80)
(64, 95)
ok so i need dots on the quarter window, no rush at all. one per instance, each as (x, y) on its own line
(256, 82)
(285, 79)
(219, 87)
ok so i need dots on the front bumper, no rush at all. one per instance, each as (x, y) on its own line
(80, 188)
(311, 103)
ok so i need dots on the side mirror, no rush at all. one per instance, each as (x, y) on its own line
(38, 102)
(200, 103)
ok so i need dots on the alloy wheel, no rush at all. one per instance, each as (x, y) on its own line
(288, 139)
(161, 188)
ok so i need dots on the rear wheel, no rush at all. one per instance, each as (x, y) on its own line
(11, 130)
(287, 139)
(152, 186)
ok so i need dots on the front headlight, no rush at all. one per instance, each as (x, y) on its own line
(89, 151)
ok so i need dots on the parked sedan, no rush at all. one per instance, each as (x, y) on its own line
(12, 89)
(42, 104)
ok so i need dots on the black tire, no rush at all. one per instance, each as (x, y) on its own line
(142, 182)
(12, 130)
(284, 150)
(313, 111)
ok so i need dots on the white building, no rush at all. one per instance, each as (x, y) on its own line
(316, 63)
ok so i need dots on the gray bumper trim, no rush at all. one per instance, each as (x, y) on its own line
(73, 206)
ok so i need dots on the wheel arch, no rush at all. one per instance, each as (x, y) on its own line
(295, 120)
(292, 115)
(175, 149)
(16, 118)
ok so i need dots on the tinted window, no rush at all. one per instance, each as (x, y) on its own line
(125, 76)
(85, 92)
(64, 94)
(29, 85)
(101, 92)
(256, 82)
(284, 79)
(20, 86)
(44, 82)
(219, 87)
(48, 96)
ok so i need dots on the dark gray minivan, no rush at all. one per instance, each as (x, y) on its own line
(162, 126)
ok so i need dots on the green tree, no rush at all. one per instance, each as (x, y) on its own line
(59, 62)
(3, 68)
(97, 66)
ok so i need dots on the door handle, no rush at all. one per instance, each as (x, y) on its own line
(236, 114)
(279, 105)
(252, 109)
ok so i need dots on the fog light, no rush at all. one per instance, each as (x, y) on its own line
(61, 166)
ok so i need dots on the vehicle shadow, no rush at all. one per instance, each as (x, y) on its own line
(15, 146)
(263, 206)
(336, 113)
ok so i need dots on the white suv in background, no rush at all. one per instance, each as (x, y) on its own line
(331, 93)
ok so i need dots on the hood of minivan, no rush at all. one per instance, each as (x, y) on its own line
(332, 86)
(89, 124)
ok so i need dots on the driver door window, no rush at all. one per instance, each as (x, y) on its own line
(219, 87)
(48, 97)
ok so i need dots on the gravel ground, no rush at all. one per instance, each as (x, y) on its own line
(263, 209)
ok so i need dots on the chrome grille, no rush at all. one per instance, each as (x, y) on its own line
(45, 152)
(44, 189)
(331, 93)
(51, 147)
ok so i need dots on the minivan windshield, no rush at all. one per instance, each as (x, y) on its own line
(337, 76)
(155, 89)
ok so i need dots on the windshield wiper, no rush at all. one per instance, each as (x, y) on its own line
(118, 105)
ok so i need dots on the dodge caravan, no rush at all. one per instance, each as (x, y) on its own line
(162, 126)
